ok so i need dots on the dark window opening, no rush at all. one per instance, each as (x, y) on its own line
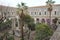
(37, 20)
(45, 13)
(55, 12)
(39, 13)
(35, 13)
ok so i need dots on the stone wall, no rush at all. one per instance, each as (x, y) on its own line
(56, 35)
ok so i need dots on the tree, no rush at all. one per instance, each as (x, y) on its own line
(55, 20)
(54, 25)
(5, 25)
(29, 21)
(50, 8)
(10, 38)
(25, 19)
(22, 8)
(30, 24)
(43, 32)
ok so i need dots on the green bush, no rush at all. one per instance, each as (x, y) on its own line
(5, 25)
(43, 32)
(10, 38)
(31, 26)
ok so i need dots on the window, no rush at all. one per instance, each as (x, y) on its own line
(0, 13)
(39, 13)
(8, 12)
(45, 13)
(55, 12)
(4, 13)
(31, 13)
(16, 24)
(12, 13)
(35, 13)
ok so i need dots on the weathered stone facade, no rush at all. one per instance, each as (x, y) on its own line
(41, 12)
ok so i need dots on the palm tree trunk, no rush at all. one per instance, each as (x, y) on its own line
(22, 36)
(29, 34)
(13, 34)
(22, 24)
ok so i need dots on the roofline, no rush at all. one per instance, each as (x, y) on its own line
(44, 6)
(7, 6)
(30, 7)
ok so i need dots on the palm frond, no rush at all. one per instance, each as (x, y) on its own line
(53, 2)
(50, 2)
(18, 5)
(22, 4)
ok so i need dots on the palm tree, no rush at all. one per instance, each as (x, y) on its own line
(49, 3)
(21, 8)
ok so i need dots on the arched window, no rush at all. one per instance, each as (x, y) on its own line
(39, 13)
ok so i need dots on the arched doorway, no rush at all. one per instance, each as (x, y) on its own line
(37, 20)
(48, 21)
(43, 20)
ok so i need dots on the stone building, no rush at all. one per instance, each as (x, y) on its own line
(9, 13)
(41, 12)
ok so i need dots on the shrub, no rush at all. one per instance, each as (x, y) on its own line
(43, 32)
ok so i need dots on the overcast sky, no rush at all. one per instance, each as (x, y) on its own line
(28, 2)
